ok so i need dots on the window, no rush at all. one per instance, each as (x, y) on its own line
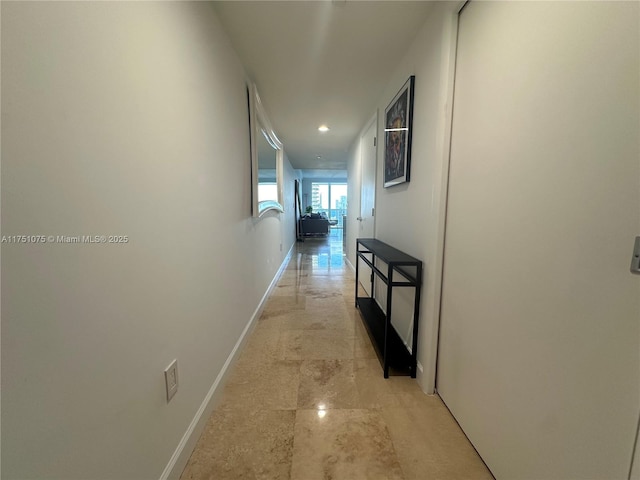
(330, 198)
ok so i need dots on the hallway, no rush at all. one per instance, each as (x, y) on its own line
(307, 400)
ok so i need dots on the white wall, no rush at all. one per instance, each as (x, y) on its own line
(411, 216)
(122, 119)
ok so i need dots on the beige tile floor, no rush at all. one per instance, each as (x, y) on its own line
(307, 400)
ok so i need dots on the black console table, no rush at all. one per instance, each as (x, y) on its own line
(389, 346)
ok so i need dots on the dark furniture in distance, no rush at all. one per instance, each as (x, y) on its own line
(314, 225)
(391, 349)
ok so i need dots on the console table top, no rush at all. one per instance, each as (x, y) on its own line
(387, 253)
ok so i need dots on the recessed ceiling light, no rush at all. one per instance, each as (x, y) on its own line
(323, 128)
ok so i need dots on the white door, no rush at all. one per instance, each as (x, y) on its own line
(368, 152)
(540, 326)
(368, 183)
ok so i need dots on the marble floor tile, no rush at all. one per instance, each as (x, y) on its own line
(277, 305)
(328, 304)
(306, 399)
(430, 442)
(290, 347)
(285, 290)
(271, 386)
(363, 347)
(343, 444)
(374, 391)
(330, 319)
(328, 293)
(327, 384)
(262, 346)
(330, 282)
(326, 345)
(292, 277)
(244, 444)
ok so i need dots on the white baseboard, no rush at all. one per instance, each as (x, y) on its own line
(349, 264)
(181, 455)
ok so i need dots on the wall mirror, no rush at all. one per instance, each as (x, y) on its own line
(266, 159)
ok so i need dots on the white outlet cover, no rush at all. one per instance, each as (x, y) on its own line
(171, 379)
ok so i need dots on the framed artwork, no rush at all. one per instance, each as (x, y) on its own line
(398, 126)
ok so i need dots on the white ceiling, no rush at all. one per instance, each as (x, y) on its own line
(320, 62)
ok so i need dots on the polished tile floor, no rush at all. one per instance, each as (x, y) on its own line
(307, 400)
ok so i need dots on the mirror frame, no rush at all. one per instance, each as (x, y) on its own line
(261, 125)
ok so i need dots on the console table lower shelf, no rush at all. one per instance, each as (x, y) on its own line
(374, 319)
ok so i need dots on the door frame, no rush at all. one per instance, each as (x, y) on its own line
(448, 74)
(372, 122)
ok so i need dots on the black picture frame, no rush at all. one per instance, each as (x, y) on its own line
(398, 129)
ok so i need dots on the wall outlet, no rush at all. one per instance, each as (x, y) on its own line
(171, 379)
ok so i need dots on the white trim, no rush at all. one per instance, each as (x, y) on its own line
(448, 74)
(349, 264)
(181, 455)
(372, 122)
(634, 468)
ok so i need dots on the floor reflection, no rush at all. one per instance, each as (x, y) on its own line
(324, 254)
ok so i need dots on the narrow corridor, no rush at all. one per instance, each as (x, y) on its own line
(306, 399)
